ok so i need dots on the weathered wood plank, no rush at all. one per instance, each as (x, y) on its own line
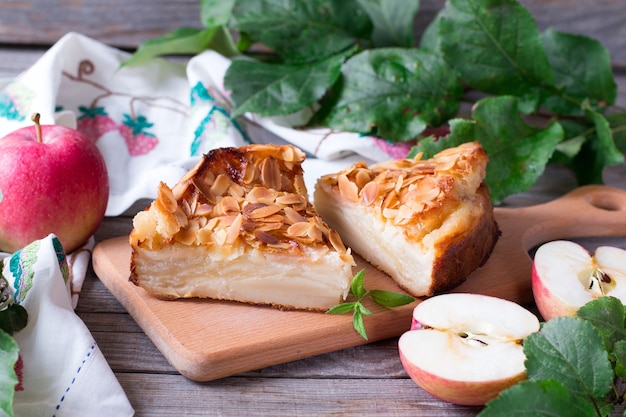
(126, 23)
(278, 397)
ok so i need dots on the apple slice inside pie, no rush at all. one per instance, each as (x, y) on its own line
(426, 223)
(239, 226)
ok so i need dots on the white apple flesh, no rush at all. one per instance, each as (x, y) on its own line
(53, 179)
(565, 276)
(466, 348)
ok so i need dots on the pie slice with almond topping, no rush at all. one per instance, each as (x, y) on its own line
(426, 223)
(239, 226)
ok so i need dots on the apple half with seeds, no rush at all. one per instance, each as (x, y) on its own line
(565, 276)
(465, 348)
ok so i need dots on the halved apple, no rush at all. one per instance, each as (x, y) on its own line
(466, 348)
(565, 276)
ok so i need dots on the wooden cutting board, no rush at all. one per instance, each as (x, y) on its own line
(206, 339)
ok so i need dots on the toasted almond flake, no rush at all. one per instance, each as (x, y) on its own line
(274, 218)
(268, 226)
(179, 189)
(205, 236)
(270, 173)
(290, 199)
(391, 200)
(166, 198)
(362, 177)
(336, 242)
(261, 195)
(390, 213)
(236, 190)
(347, 188)
(233, 230)
(263, 211)
(203, 209)
(299, 229)
(225, 221)
(369, 193)
(250, 174)
(292, 216)
(212, 223)
(227, 205)
(221, 184)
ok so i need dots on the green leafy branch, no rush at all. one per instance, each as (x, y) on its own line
(380, 297)
(355, 65)
(576, 366)
(13, 317)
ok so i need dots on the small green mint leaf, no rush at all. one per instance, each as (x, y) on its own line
(362, 309)
(582, 70)
(342, 308)
(394, 93)
(276, 89)
(357, 286)
(619, 355)
(571, 351)
(495, 45)
(357, 323)
(390, 299)
(538, 398)
(607, 316)
(392, 20)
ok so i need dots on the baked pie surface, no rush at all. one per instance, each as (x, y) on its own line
(426, 223)
(239, 226)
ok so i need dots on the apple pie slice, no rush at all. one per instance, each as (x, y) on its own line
(239, 226)
(426, 223)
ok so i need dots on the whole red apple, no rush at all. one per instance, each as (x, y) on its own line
(53, 179)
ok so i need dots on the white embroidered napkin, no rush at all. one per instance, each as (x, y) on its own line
(61, 371)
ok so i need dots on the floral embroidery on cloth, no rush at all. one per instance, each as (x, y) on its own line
(15, 102)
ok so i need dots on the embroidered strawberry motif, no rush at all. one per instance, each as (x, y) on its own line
(94, 122)
(138, 141)
(19, 372)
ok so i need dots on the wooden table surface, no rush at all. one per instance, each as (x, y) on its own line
(361, 381)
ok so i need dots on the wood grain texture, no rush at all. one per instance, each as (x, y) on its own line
(127, 23)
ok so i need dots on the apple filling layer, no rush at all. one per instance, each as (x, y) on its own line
(239, 227)
(426, 223)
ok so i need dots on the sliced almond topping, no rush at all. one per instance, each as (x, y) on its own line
(221, 184)
(292, 216)
(336, 241)
(166, 198)
(369, 193)
(347, 188)
(270, 173)
(299, 229)
(261, 195)
(203, 209)
(233, 230)
(263, 211)
(265, 237)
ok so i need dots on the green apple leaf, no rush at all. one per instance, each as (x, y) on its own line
(216, 12)
(538, 398)
(607, 314)
(277, 89)
(619, 355)
(184, 41)
(13, 318)
(394, 93)
(617, 122)
(392, 20)
(556, 352)
(582, 71)
(518, 152)
(495, 45)
(598, 152)
(358, 323)
(303, 31)
(9, 351)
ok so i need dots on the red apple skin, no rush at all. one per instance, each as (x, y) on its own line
(549, 304)
(458, 392)
(59, 185)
